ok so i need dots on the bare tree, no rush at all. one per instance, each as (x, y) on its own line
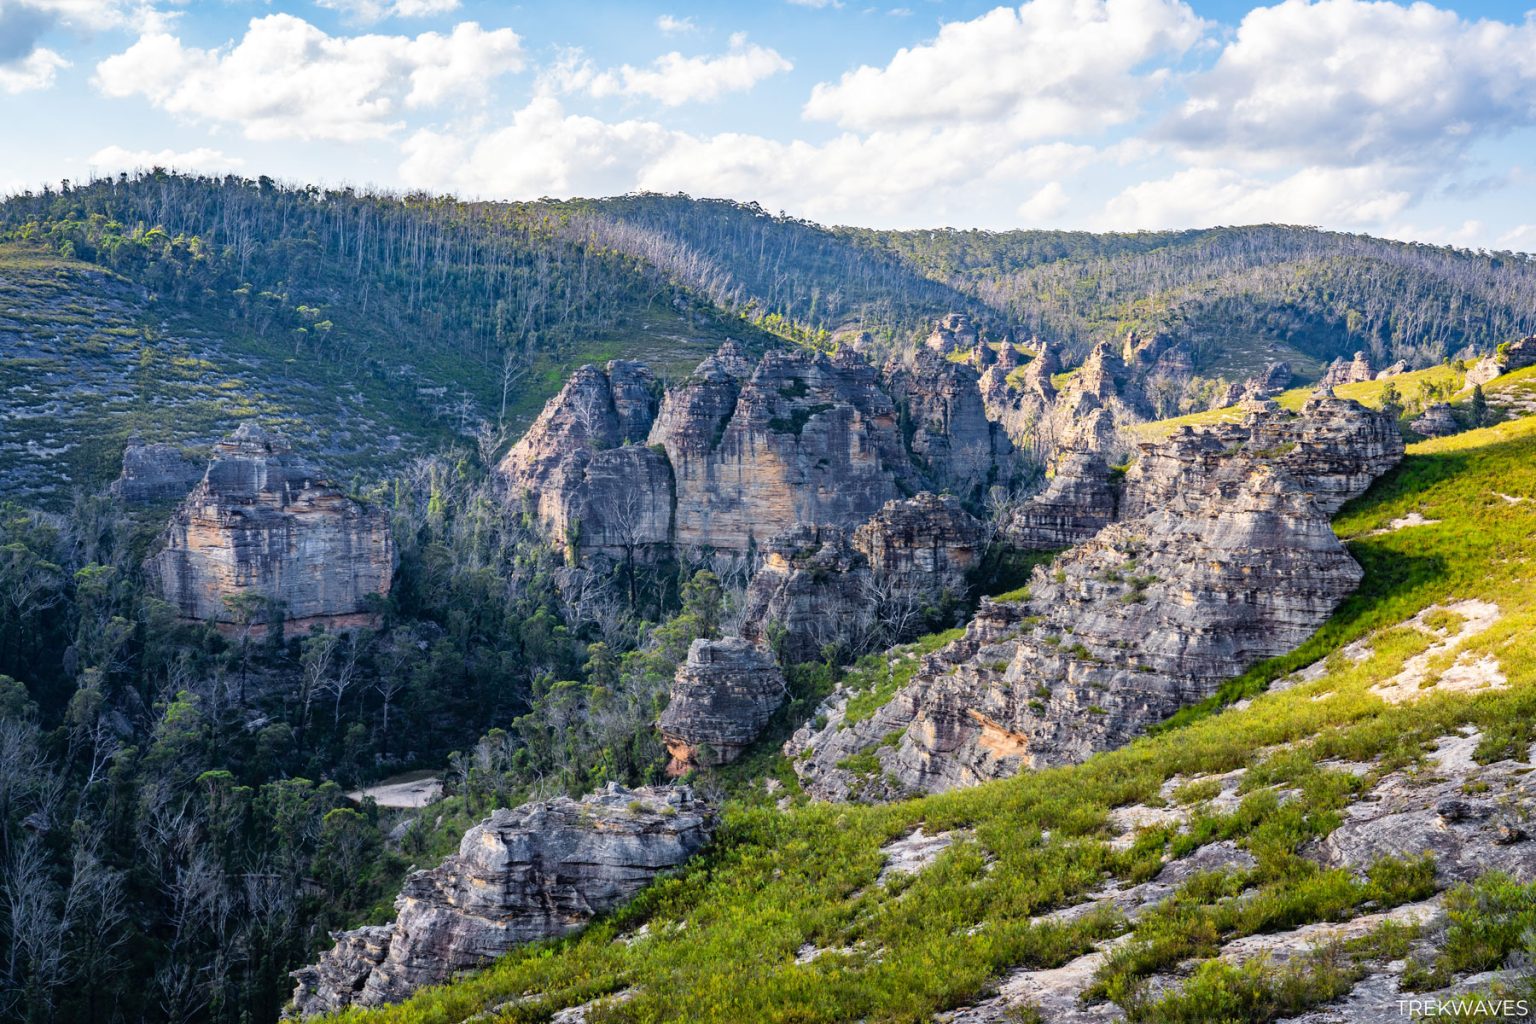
(339, 682)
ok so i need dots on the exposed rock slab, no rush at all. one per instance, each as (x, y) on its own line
(543, 869)
(264, 522)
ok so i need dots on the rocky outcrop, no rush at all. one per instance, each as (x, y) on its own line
(1081, 499)
(1401, 366)
(954, 333)
(1436, 421)
(1267, 383)
(872, 584)
(1511, 356)
(583, 470)
(1234, 561)
(1331, 451)
(958, 447)
(807, 440)
(541, 870)
(1340, 372)
(930, 540)
(722, 697)
(264, 522)
(816, 589)
(155, 472)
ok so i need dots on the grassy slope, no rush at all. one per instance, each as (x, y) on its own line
(86, 363)
(724, 934)
(1369, 392)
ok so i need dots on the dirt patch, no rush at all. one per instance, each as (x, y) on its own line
(413, 789)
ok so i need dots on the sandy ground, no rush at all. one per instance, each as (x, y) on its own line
(413, 789)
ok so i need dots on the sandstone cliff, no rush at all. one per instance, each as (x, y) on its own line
(155, 472)
(264, 522)
(958, 447)
(722, 697)
(1229, 559)
(541, 870)
(873, 585)
(806, 440)
(584, 471)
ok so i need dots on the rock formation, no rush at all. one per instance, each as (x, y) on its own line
(959, 448)
(1436, 421)
(1267, 383)
(264, 522)
(806, 440)
(1512, 356)
(814, 587)
(542, 870)
(584, 470)
(953, 333)
(1227, 559)
(155, 472)
(1080, 500)
(722, 697)
(1353, 372)
(869, 585)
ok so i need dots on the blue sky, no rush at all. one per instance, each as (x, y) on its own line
(1414, 121)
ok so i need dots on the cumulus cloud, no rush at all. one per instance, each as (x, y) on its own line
(116, 158)
(674, 79)
(1313, 195)
(287, 79)
(1352, 82)
(1049, 68)
(1044, 204)
(377, 10)
(669, 24)
(34, 71)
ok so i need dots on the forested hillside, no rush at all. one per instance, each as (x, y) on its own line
(378, 327)
(1240, 296)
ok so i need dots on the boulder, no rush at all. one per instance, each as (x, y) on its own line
(1512, 356)
(722, 697)
(541, 870)
(264, 522)
(1436, 421)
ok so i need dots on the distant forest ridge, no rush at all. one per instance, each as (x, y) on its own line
(492, 281)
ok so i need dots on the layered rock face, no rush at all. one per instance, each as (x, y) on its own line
(1233, 563)
(930, 541)
(959, 447)
(1081, 499)
(722, 697)
(155, 472)
(262, 521)
(584, 470)
(849, 587)
(542, 870)
(816, 588)
(953, 333)
(1436, 421)
(805, 441)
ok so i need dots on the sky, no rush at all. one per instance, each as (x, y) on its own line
(1408, 120)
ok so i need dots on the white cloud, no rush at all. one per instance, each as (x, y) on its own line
(674, 79)
(116, 158)
(1201, 196)
(1351, 82)
(287, 79)
(1044, 204)
(1050, 68)
(377, 10)
(667, 23)
(817, 4)
(34, 71)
